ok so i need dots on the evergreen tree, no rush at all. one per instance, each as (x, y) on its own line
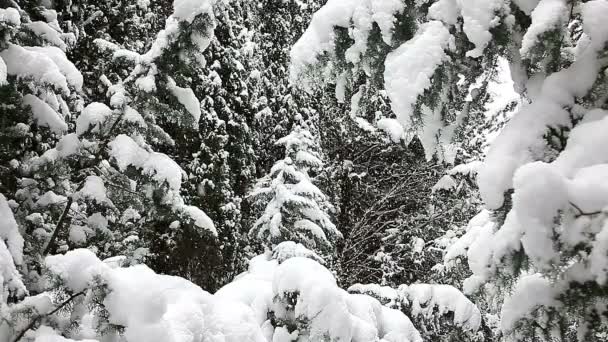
(279, 103)
(294, 206)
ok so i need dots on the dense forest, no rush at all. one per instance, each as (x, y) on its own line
(303, 170)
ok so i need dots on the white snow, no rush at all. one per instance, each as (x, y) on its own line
(77, 235)
(199, 217)
(92, 118)
(44, 115)
(409, 68)
(9, 233)
(527, 6)
(67, 68)
(289, 249)
(187, 10)
(131, 115)
(479, 17)
(469, 168)
(34, 65)
(531, 292)
(523, 133)
(594, 22)
(3, 73)
(68, 145)
(76, 268)
(392, 127)
(186, 97)
(444, 183)
(10, 16)
(430, 299)
(319, 37)
(46, 32)
(160, 167)
(93, 189)
(50, 198)
(548, 15)
(448, 11)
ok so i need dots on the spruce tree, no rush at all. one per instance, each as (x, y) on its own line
(295, 209)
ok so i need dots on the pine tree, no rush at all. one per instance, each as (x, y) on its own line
(279, 103)
(523, 248)
(78, 176)
(294, 206)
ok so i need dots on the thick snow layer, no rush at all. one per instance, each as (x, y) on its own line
(478, 231)
(289, 249)
(10, 16)
(328, 311)
(527, 6)
(186, 97)
(375, 290)
(35, 65)
(68, 145)
(157, 308)
(92, 118)
(93, 189)
(46, 32)
(469, 168)
(531, 292)
(47, 334)
(531, 182)
(445, 183)
(77, 235)
(548, 15)
(392, 128)
(199, 217)
(524, 132)
(9, 231)
(131, 115)
(3, 73)
(10, 279)
(44, 115)
(160, 308)
(479, 16)
(447, 11)
(319, 37)
(187, 10)
(409, 68)
(430, 299)
(594, 22)
(76, 268)
(50, 198)
(160, 167)
(67, 68)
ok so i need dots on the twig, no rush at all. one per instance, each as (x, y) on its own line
(33, 322)
(582, 213)
(61, 221)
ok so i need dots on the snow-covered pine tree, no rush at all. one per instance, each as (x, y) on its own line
(278, 103)
(101, 28)
(212, 57)
(159, 83)
(542, 241)
(294, 209)
(367, 175)
(405, 59)
(71, 177)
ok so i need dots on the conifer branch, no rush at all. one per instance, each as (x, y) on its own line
(59, 307)
(583, 213)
